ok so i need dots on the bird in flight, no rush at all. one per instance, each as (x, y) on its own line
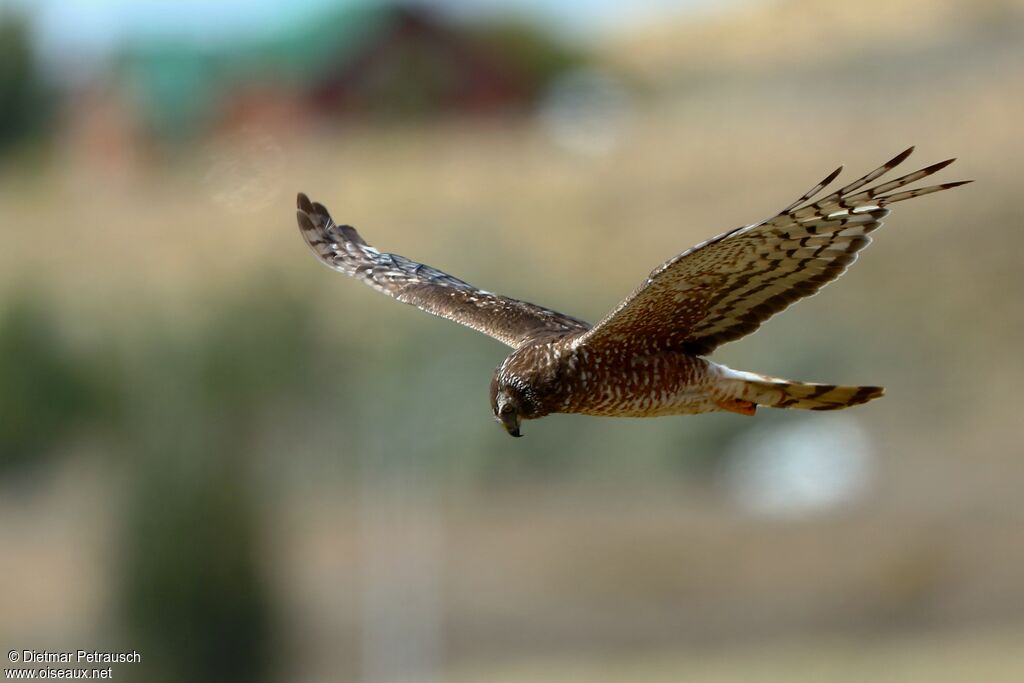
(647, 357)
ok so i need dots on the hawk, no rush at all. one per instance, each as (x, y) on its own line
(647, 357)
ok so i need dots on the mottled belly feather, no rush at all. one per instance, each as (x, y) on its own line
(640, 385)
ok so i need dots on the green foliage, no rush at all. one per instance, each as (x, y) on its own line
(185, 410)
(45, 391)
(195, 594)
(534, 51)
(200, 403)
(24, 106)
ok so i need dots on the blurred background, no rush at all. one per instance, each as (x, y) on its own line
(218, 453)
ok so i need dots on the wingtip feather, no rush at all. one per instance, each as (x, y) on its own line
(832, 176)
(935, 168)
(902, 156)
(305, 223)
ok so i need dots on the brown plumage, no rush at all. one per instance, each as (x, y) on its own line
(645, 358)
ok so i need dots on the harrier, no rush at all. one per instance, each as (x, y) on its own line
(647, 356)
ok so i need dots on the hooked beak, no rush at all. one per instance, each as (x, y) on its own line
(511, 424)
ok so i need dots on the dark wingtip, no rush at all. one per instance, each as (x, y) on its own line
(935, 168)
(305, 222)
(865, 394)
(832, 176)
(958, 183)
(314, 216)
(902, 156)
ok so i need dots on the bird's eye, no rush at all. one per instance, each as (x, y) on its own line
(507, 409)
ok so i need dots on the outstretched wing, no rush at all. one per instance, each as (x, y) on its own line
(723, 289)
(508, 320)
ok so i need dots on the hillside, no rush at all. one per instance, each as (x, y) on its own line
(799, 36)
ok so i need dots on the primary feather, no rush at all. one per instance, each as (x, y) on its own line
(726, 287)
(509, 320)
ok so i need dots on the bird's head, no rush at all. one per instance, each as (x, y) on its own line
(512, 401)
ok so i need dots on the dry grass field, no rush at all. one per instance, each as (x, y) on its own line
(903, 659)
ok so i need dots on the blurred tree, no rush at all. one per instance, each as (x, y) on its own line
(24, 105)
(196, 596)
(535, 53)
(44, 391)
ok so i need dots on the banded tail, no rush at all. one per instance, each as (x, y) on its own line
(749, 390)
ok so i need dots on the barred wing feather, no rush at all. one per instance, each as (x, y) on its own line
(508, 320)
(726, 287)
